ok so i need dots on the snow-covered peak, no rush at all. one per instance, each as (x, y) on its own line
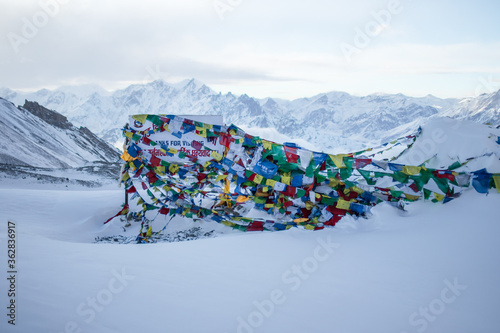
(485, 108)
(38, 137)
(82, 90)
(330, 121)
(192, 84)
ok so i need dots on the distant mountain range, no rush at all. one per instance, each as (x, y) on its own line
(330, 121)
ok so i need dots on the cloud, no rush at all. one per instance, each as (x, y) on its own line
(272, 48)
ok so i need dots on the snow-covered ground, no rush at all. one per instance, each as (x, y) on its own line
(433, 268)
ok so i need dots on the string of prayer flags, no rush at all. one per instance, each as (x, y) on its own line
(179, 166)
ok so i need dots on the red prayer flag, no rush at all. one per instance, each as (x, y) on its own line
(362, 162)
(155, 161)
(291, 154)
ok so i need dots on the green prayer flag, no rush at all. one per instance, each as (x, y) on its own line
(455, 165)
(300, 193)
(345, 173)
(366, 176)
(400, 177)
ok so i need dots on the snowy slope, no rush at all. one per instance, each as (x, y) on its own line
(432, 268)
(445, 141)
(329, 121)
(38, 137)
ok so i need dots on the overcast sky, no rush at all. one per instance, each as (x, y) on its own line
(286, 49)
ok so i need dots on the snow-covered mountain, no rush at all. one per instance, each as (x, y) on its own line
(484, 108)
(34, 136)
(430, 268)
(330, 121)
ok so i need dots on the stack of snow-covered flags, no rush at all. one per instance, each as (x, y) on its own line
(180, 166)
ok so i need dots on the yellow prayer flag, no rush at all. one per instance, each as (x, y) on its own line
(216, 155)
(286, 180)
(343, 204)
(228, 224)
(125, 176)
(140, 118)
(174, 168)
(438, 197)
(201, 131)
(309, 227)
(160, 170)
(270, 182)
(357, 189)
(411, 170)
(411, 197)
(267, 145)
(333, 182)
(496, 179)
(220, 177)
(338, 160)
(150, 232)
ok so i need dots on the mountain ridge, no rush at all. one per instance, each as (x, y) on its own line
(329, 121)
(38, 137)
